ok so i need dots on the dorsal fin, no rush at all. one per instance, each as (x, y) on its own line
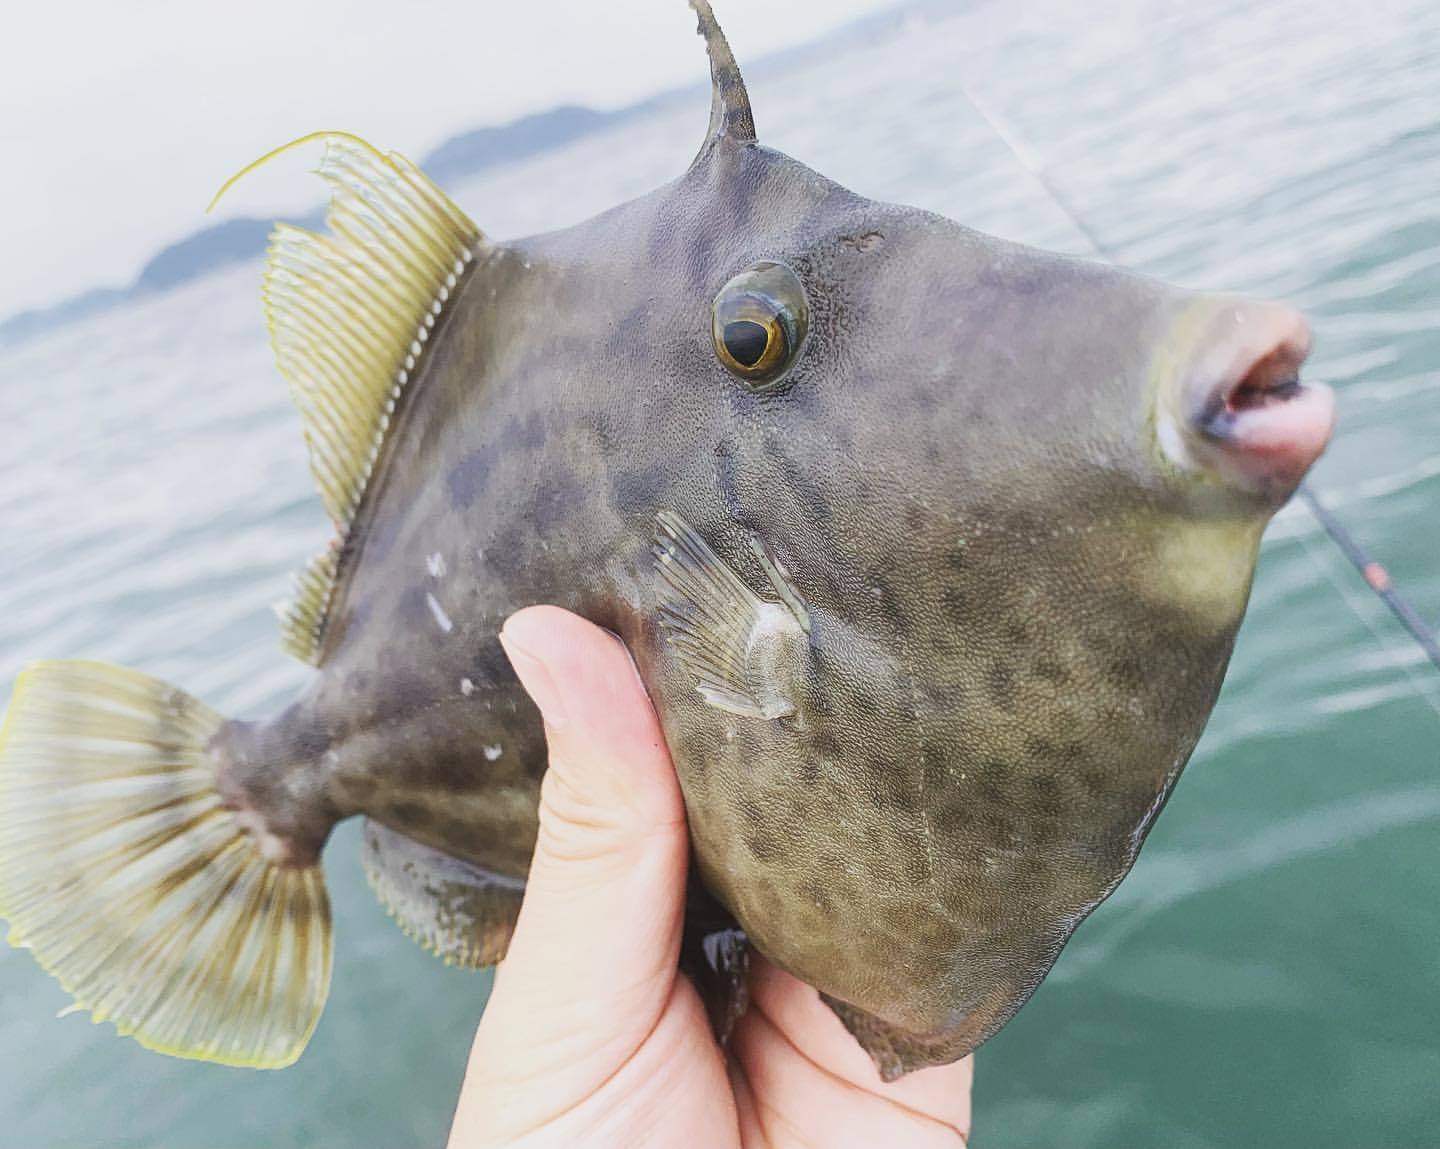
(350, 314)
(730, 114)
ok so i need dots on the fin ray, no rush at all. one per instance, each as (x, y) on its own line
(462, 914)
(132, 884)
(746, 655)
(350, 313)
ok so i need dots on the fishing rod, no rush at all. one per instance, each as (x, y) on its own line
(1376, 577)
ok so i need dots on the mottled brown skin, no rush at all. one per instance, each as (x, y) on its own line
(1021, 612)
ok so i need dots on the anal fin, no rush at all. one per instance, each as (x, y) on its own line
(459, 912)
(747, 656)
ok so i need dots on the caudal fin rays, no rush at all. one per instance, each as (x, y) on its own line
(124, 874)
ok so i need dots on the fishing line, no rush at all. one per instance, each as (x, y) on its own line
(1376, 577)
(1357, 608)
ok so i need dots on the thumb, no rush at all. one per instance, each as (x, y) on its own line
(594, 956)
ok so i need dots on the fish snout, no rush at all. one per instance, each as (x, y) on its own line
(1243, 415)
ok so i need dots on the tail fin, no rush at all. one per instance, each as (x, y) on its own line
(132, 884)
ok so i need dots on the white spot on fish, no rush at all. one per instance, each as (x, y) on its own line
(441, 618)
(493, 752)
(435, 564)
(467, 688)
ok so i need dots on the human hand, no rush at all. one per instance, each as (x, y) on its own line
(591, 1037)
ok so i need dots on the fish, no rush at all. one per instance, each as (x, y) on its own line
(930, 549)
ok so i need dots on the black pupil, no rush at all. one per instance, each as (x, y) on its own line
(746, 341)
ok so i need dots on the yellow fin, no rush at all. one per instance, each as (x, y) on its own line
(302, 619)
(350, 314)
(133, 885)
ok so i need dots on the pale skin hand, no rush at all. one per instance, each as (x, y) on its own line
(591, 1036)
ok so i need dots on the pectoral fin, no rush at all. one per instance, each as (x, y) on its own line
(461, 913)
(747, 656)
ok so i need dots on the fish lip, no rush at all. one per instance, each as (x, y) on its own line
(1245, 418)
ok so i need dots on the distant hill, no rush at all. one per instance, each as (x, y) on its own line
(28, 324)
(458, 158)
(228, 242)
(237, 240)
(465, 155)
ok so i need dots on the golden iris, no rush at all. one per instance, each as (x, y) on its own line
(759, 322)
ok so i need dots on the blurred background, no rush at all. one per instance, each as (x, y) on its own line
(1268, 974)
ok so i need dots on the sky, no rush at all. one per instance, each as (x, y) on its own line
(120, 118)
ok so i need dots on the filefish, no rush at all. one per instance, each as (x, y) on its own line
(930, 549)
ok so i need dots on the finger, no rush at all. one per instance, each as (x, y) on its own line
(798, 1015)
(788, 1100)
(594, 954)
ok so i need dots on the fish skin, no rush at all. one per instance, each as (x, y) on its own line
(1009, 665)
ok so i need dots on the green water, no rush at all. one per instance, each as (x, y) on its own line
(1267, 977)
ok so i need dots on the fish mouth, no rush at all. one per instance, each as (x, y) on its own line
(1246, 418)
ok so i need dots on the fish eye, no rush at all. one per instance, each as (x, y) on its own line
(759, 322)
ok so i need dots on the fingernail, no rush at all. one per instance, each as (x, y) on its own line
(535, 677)
(630, 658)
